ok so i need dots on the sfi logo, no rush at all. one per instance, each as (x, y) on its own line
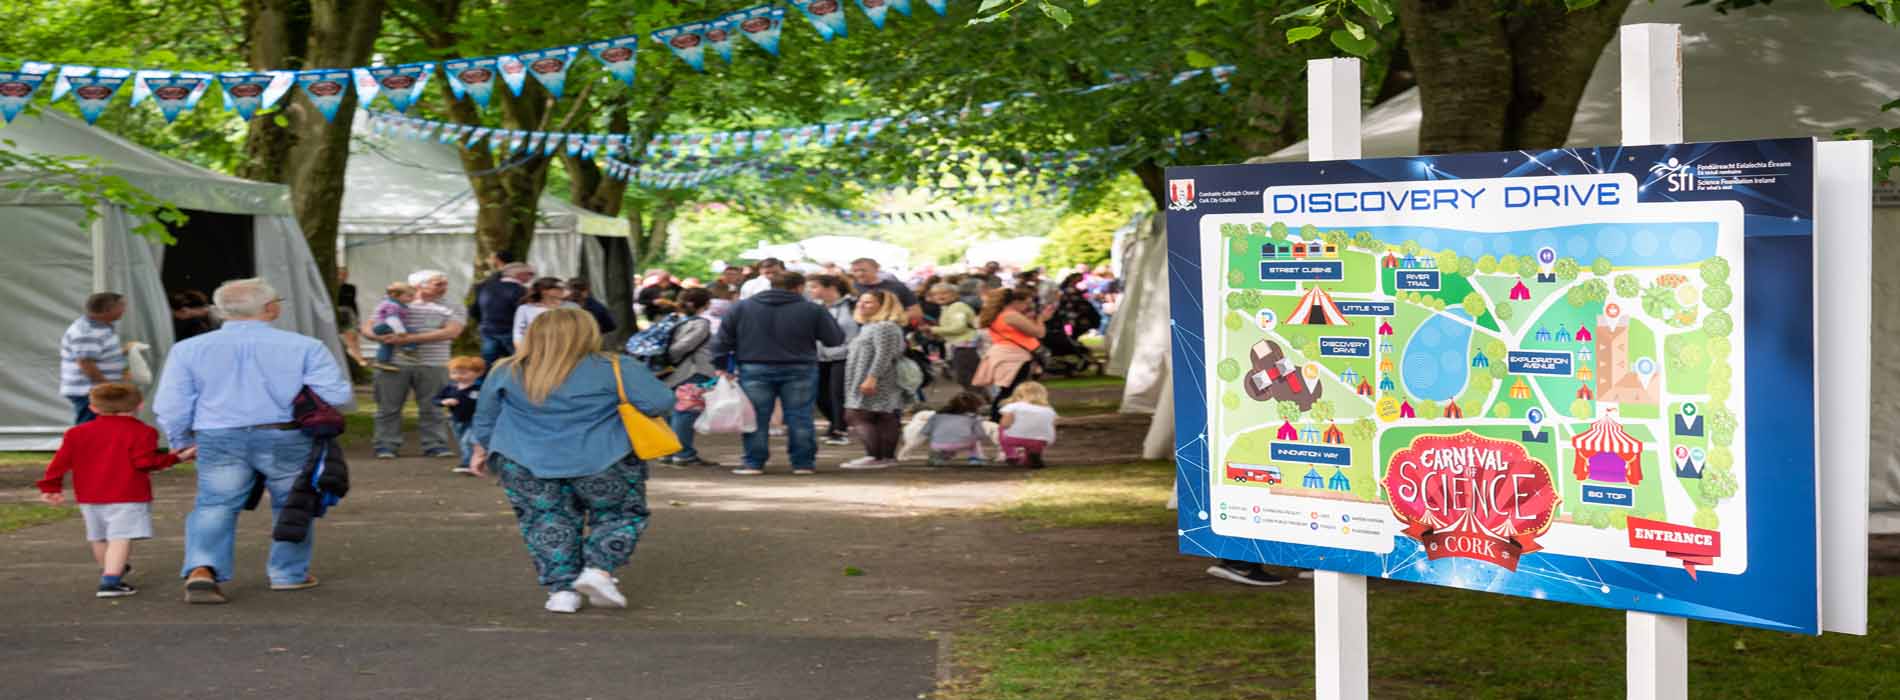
(1679, 176)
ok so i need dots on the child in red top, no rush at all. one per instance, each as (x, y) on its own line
(111, 459)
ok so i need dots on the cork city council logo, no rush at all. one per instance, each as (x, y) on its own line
(1471, 497)
(1181, 195)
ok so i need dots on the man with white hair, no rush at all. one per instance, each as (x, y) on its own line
(229, 393)
(433, 327)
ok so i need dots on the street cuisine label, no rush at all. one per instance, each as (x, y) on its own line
(1471, 497)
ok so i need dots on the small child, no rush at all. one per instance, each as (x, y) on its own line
(1028, 425)
(391, 317)
(459, 395)
(111, 459)
(955, 429)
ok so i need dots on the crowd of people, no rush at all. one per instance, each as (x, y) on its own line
(546, 404)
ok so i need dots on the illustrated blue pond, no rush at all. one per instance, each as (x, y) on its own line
(1433, 363)
(1623, 244)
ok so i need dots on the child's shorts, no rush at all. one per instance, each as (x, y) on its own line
(117, 521)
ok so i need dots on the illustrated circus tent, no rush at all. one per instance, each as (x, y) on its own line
(1583, 334)
(1334, 436)
(1339, 482)
(1317, 308)
(1313, 480)
(1519, 292)
(1349, 377)
(1287, 432)
(1606, 453)
(1453, 411)
(1365, 388)
(1406, 411)
(1583, 392)
(1385, 328)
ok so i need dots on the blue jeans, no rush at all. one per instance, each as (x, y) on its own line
(82, 409)
(682, 422)
(796, 388)
(495, 347)
(385, 352)
(228, 461)
(464, 439)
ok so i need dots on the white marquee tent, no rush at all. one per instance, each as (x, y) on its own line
(1793, 69)
(54, 259)
(832, 249)
(408, 206)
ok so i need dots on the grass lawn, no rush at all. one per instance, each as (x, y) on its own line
(1427, 642)
(10, 459)
(1092, 381)
(1097, 496)
(14, 516)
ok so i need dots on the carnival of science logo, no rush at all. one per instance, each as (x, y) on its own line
(1471, 497)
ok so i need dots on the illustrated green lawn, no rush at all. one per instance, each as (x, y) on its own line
(1453, 288)
(1687, 377)
(1252, 447)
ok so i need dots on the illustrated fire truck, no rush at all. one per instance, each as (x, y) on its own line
(1253, 473)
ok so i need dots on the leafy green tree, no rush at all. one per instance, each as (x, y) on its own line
(1228, 369)
(1230, 400)
(1232, 322)
(1718, 296)
(1718, 324)
(1507, 264)
(1706, 519)
(1409, 248)
(1601, 267)
(1582, 410)
(1503, 312)
(1363, 430)
(1474, 304)
(1487, 264)
(1364, 240)
(1323, 411)
(1567, 270)
(1627, 287)
(1287, 410)
(1527, 266)
(1715, 270)
(1280, 232)
(1501, 410)
(1260, 229)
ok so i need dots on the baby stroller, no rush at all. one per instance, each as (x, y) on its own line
(1067, 356)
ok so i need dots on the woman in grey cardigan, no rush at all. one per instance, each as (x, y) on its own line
(874, 400)
(834, 293)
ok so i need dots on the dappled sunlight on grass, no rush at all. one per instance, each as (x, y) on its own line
(1096, 496)
(14, 516)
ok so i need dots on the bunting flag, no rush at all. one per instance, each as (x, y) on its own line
(402, 85)
(688, 41)
(139, 89)
(941, 6)
(827, 16)
(366, 87)
(326, 89)
(92, 92)
(719, 36)
(176, 94)
(761, 25)
(549, 67)
(16, 88)
(618, 55)
(876, 10)
(249, 93)
(64, 83)
(473, 77)
(513, 72)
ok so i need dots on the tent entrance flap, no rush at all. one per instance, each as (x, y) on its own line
(212, 249)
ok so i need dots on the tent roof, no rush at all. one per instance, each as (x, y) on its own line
(1788, 69)
(52, 132)
(411, 186)
(833, 249)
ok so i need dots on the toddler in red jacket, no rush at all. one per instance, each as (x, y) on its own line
(111, 459)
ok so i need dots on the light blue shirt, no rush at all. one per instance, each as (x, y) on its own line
(575, 432)
(241, 375)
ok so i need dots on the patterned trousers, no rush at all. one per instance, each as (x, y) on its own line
(572, 524)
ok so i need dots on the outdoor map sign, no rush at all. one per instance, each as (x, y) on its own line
(1582, 375)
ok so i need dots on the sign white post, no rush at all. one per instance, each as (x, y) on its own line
(1339, 600)
(1657, 662)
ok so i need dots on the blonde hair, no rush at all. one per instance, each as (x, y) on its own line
(888, 309)
(554, 345)
(1033, 393)
(399, 289)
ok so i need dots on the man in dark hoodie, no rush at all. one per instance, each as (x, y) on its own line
(493, 310)
(774, 337)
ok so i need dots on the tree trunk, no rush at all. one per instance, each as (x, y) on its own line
(311, 154)
(1154, 179)
(1491, 80)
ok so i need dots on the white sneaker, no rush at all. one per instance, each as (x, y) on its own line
(868, 463)
(564, 602)
(748, 471)
(856, 463)
(599, 588)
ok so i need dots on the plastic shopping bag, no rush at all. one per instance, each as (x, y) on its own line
(727, 410)
(138, 368)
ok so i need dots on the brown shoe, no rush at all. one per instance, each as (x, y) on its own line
(308, 582)
(201, 588)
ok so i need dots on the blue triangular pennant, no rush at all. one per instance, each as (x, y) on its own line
(326, 89)
(618, 55)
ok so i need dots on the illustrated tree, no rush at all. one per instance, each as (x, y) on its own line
(1228, 369)
(1487, 264)
(1567, 270)
(1601, 267)
(1580, 409)
(1287, 410)
(1323, 411)
(1364, 429)
(1627, 287)
(1474, 304)
(1527, 266)
(1503, 312)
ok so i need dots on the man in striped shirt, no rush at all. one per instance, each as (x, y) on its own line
(433, 327)
(91, 353)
